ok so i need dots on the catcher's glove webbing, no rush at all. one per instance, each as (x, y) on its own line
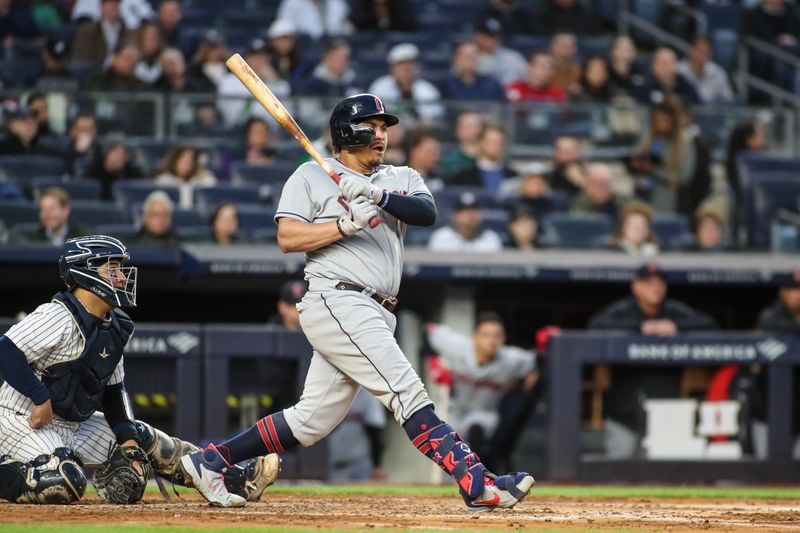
(123, 477)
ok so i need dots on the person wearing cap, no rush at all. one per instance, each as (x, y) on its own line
(287, 315)
(22, 128)
(403, 85)
(464, 82)
(465, 232)
(96, 41)
(384, 15)
(285, 55)
(54, 75)
(489, 171)
(783, 315)
(235, 103)
(495, 60)
(333, 75)
(112, 163)
(316, 18)
(648, 310)
(119, 75)
(207, 69)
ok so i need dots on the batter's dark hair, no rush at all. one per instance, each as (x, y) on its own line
(488, 316)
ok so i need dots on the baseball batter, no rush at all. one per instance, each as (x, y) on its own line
(354, 273)
(62, 365)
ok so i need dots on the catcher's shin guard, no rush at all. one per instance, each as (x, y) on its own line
(57, 478)
(163, 451)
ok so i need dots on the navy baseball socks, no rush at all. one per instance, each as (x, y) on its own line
(204, 469)
(481, 489)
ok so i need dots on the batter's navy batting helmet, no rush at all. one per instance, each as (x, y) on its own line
(81, 260)
(345, 131)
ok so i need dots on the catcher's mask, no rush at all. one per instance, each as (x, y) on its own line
(95, 262)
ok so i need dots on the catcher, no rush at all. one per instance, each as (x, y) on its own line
(63, 404)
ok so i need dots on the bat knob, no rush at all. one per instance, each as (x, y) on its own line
(375, 221)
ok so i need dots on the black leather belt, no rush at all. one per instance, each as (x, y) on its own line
(387, 302)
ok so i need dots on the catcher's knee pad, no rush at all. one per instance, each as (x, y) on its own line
(163, 451)
(57, 478)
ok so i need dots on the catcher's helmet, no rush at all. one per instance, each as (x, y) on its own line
(345, 131)
(81, 260)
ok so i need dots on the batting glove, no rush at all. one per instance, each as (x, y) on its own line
(361, 211)
(352, 187)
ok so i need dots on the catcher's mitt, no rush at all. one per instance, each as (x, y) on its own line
(123, 477)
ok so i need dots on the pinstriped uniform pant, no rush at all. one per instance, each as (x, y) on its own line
(91, 440)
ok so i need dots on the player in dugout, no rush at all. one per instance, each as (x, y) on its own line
(64, 406)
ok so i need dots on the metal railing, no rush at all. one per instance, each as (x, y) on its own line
(745, 79)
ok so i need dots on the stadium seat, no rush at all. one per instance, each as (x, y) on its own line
(275, 174)
(418, 236)
(78, 189)
(573, 230)
(770, 193)
(18, 211)
(728, 16)
(94, 213)
(495, 220)
(671, 229)
(206, 199)
(255, 219)
(150, 152)
(724, 43)
(447, 198)
(269, 234)
(22, 168)
(129, 192)
(753, 163)
(123, 232)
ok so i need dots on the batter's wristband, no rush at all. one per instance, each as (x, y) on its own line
(339, 228)
(384, 200)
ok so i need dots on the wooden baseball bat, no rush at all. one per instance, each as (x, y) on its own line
(274, 107)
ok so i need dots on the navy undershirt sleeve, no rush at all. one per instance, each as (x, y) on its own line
(416, 210)
(16, 372)
(118, 413)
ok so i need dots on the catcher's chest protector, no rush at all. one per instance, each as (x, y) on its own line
(77, 386)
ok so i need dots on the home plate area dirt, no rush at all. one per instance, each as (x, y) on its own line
(435, 513)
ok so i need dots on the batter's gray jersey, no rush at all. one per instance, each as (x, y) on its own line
(371, 258)
(477, 388)
(49, 336)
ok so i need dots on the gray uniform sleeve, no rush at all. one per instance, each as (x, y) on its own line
(454, 349)
(416, 184)
(296, 199)
(520, 361)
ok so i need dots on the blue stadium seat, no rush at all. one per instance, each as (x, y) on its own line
(594, 45)
(82, 71)
(752, 163)
(150, 152)
(525, 44)
(22, 168)
(254, 20)
(728, 16)
(78, 189)
(275, 174)
(418, 236)
(447, 198)
(206, 199)
(770, 193)
(124, 232)
(725, 43)
(255, 219)
(94, 213)
(269, 234)
(129, 192)
(18, 211)
(495, 220)
(671, 229)
(575, 230)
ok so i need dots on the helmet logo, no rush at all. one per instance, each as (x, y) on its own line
(379, 105)
(354, 107)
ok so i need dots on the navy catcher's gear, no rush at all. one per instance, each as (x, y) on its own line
(48, 479)
(345, 130)
(81, 259)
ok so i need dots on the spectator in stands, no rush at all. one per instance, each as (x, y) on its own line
(569, 169)
(16, 22)
(665, 81)
(483, 369)
(783, 316)
(255, 150)
(744, 137)
(54, 75)
(207, 68)
(465, 232)
(708, 78)
(571, 16)
(55, 226)
(173, 71)
(38, 103)
(709, 230)
(170, 16)
(523, 230)
(534, 194)
(285, 55)
(182, 168)
(82, 148)
(119, 76)
(424, 152)
(503, 64)
(676, 160)
(625, 72)
(96, 41)
(333, 76)
(564, 50)
(225, 224)
(489, 170)
(395, 153)
(316, 18)
(156, 228)
(22, 128)
(469, 125)
(113, 164)
(235, 102)
(464, 82)
(597, 194)
(384, 15)
(649, 311)
(514, 18)
(634, 234)
(291, 294)
(150, 43)
(132, 12)
(539, 86)
(403, 87)
(774, 21)
(595, 84)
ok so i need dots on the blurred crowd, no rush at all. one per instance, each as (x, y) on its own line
(670, 191)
